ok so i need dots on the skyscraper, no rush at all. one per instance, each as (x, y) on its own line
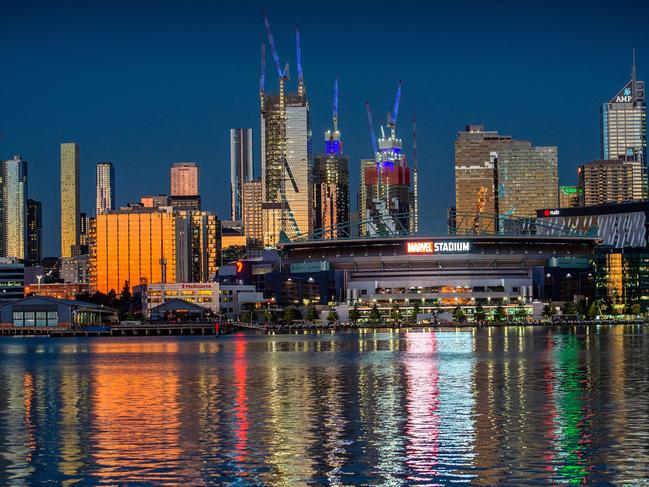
(331, 182)
(136, 245)
(240, 168)
(387, 183)
(624, 122)
(184, 179)
(34, 232)
(13, 184)
(252, 220)
(105, 182)
(286, 159)
(496, 176)
(69, 199)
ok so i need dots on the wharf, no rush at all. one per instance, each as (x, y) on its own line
(144, 329)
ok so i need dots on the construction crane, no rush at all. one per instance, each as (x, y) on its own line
(392, 118)
(370, 124)
(271, 41)
(298, 58)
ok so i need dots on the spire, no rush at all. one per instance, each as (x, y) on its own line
(633, 68)
(298, 55)
(335, 112)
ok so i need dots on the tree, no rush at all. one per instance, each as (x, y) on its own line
(375, 314)
(395, 314)
(415, 312)
(458, 314)
(291, 314)
(354, 314)
(269, 315)
(569, 308)
(548, 311)
(332, 316)
(500, 314)
(312, 313)
(479, 313)
(521, 312)
(593, 311)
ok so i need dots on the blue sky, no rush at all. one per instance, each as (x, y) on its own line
(144, 84)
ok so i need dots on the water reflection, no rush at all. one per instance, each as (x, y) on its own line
(497, 406)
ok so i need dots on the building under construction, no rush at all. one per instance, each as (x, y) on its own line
(387, 194)
(331, 183)
(286, 159)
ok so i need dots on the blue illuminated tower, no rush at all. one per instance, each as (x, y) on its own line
(331, 182)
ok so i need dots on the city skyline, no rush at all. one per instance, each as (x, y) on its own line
(142, 160)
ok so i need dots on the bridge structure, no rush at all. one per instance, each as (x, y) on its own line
(461, 224)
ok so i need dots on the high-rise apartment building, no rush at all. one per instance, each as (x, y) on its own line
(252, 197)
(13, 188)
(607, 181)
(198, 246)
(496, 176)
(136, 245)
(331, 182)
(105, 186)
(624, 122)
(184, 179)
(240, 168)
(34, 232)
(69, 199)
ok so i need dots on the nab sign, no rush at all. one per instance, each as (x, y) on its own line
(430, 247)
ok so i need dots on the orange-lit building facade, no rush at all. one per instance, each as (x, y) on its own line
(132, 246)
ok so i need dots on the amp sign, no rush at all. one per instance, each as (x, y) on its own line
(430, 247)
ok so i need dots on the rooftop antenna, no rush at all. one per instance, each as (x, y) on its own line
(271, 41)
(298, 55)
(633, 67)
(335, 112)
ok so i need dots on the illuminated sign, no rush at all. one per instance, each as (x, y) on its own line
(551, 212)
(239, 266)
(197, 286)
(624, 96)
(571, 189)
(430, 247)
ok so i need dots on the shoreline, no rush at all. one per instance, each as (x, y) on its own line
(206, 329)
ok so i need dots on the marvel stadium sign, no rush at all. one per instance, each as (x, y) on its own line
(431, 247)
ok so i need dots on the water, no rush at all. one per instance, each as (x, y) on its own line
(511, 406)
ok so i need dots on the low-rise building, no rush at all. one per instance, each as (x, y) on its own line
(12, 279)
(42, 312)
(218, 298)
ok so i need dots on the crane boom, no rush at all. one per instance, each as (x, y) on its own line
(262, 77)
(335, 113)
(370, 124)
(271, 41)
(395, 110)
(298, 55)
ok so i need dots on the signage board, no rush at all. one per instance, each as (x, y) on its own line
(442, 247)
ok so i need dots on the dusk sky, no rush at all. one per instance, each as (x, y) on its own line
(144, 84)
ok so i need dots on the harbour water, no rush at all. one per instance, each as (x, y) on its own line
(494, 406)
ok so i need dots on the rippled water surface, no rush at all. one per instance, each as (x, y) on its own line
(510, 406)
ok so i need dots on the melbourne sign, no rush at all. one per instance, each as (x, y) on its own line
(431, 247)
